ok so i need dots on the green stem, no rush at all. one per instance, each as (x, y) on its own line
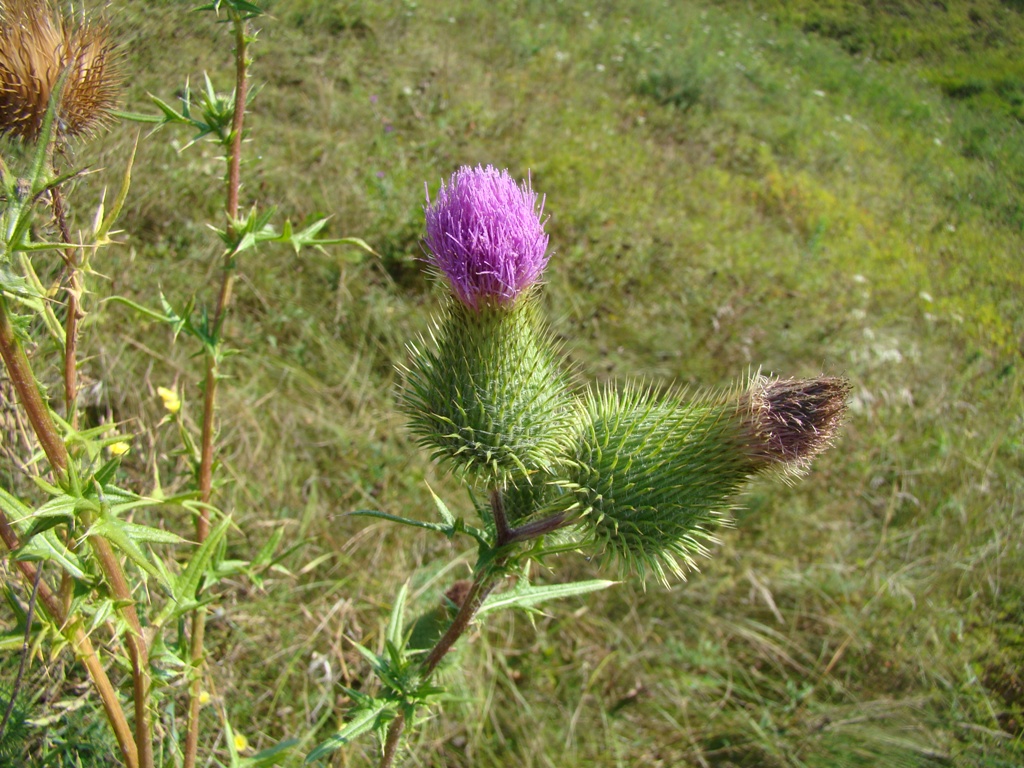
(210, 382)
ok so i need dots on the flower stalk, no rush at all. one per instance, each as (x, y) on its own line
(73, 292)
(20, 373)
(207, 440)
(135, 644)
(486, 580)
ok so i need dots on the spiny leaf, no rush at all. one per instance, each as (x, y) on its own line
(184, 589)
(245, 9)
(139, 117)
(396, 622)
(118, 534)
(102, 230)
(47, 546)
(12, 506)
(58, 509)
(530, 596)
(148, 534)
(266, 758)
(152, 314)
(442, 508)
(364, 719)
(401, 520)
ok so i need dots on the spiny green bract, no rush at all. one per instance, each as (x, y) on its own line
(650, 477)
(490, 398)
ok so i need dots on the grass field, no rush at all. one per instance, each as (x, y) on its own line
(796, 187)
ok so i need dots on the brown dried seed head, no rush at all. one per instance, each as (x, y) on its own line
(794, 419)
(37, 44)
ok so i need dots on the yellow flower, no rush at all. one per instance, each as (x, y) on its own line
(241, 743)
(171, 400)
(37, 44)
(119, 448)
(204, 698)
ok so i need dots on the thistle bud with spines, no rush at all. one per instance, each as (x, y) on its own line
(487, 395)
(650, 478)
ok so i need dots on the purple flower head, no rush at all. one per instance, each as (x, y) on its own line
(485, 233)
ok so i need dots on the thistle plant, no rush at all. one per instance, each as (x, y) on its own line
(98, 578)
(636, 479)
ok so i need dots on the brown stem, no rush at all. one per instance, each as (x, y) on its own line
(66, 590)
(210, 382)
(238, 118)
(485, 581)
(482, 586)
(38, 413)
(195, 687)
(537, 528)
(393, 740)
(138, 653)
(501, 525)
(82, 647)
(224, 297)
(75, 313)
(207, 446)
(24, 383)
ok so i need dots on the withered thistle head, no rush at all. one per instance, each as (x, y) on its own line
(794, 419)
(38, 44)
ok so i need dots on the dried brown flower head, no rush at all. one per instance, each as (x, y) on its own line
(794, 419)
(37, 44)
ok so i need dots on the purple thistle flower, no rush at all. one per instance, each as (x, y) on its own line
(485, 233)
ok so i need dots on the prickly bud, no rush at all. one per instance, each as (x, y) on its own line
(793, 420)
(487, 395)
(651, 477)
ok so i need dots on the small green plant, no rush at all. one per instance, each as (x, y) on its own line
(99, 577)
(627, 476)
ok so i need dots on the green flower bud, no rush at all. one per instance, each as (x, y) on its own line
(489, 397)
(651, 477)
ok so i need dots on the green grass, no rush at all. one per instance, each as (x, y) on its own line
(727, 191)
